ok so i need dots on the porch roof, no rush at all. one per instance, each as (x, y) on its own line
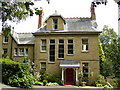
(70, 63)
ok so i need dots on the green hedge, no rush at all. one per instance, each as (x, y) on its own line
(114, 82)
(16, 74)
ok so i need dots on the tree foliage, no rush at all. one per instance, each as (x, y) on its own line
(16, 11)
(111, 47)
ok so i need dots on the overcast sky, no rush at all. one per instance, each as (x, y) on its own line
(106, 15)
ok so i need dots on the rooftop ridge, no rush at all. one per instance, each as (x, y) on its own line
(25, 33)
(78, 18)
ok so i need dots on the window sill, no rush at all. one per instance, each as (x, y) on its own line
(70, 54)
(85, 51)
(18, 55)
(51, 62)
(60, 58)
(43, 51)
(5, 42)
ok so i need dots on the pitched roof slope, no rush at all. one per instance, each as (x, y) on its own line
(75, 24)
(23, 38)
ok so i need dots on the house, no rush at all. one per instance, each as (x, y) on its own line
(61, 46)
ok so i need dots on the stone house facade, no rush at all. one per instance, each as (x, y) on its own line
(61, 46)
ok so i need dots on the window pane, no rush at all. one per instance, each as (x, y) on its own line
(16, 52)
(6, 39)
(85, 69)
(70, 41)
(5, 50)
(43, 47)
(70, 52)
(70, 46)
(43, 66)
(52, 51)
(21, 50)
(61, 49)
(84, 44)
(26, 51)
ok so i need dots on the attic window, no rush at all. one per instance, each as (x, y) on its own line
(55, 23)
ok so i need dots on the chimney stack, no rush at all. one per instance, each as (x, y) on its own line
(40, 19)
(93, 16)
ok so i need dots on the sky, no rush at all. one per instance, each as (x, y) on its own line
(105, 15)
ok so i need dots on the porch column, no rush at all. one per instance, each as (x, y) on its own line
(77, 81)
(63, 75)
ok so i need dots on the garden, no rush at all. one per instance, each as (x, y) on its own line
(18, 74)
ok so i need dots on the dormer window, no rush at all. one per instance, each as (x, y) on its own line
(6, 39)
(55, 23)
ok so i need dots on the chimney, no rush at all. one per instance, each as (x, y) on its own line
(93, 16)
(40, 19)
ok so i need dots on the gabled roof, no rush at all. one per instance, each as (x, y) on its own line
(56, 14)
(23, 38)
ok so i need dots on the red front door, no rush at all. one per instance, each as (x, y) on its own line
(69, 76)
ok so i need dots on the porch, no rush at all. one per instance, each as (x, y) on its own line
(70, 69)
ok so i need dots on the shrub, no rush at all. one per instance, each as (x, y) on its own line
(45, 82)
(50, 77)
(16, 74)
(52, 84)
(114, 82)
(38, 83)
(100, 80)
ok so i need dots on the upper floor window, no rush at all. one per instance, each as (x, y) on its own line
(43, 45)
(6, 39)
(61, 49)
(21, 51)
(55, 23)
(52, 51)
(84, 45)
(70, 46)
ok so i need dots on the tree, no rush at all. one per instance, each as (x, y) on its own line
(111, 47)
(16, 11)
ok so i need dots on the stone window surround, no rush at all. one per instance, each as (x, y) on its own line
(24, 53)
(43, 45)
(5, 39)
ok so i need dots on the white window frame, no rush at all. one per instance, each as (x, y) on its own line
(84, 46)
(4, 51)
(49, 50)
(5, 37)
(41, 68)
(15, 52)
(63, 48)
(53, 24)
(42, 45)
(21, 53)
(68, 45)
(26, 51)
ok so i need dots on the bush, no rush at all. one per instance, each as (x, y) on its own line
(38, 83)
(52, 84)
(50, 78)
(100, 80)
(16, 74)
(114, 82)
(45, 82)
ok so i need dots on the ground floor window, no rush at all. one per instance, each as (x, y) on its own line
(43, 66)
(85, 69)
(5, 51)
